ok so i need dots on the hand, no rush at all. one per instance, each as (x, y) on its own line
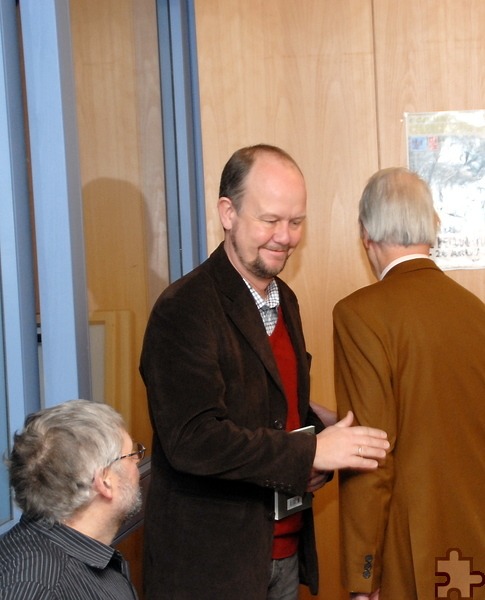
(342, 446)
(316, 480)
(327, 417)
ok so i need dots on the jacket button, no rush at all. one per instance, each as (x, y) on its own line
(278, 425)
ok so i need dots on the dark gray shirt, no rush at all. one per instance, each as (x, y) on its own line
(43, 562)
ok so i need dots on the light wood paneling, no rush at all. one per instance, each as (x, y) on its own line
(430, 56)
(329, 81)
(115, 49)
(298, 75)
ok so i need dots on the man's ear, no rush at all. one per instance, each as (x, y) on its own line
(364, 236)
(103, 483)
(227, 212)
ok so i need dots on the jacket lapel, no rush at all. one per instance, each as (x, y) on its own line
(241, 309)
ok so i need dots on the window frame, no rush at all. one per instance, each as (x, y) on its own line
(19, 369)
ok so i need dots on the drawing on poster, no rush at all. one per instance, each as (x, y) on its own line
(447, 149)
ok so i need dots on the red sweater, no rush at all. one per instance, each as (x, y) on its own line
(286, 531)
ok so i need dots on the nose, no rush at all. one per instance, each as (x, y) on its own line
(281, 234)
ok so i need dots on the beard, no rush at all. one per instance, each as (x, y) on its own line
(131, 500)
(257, 266)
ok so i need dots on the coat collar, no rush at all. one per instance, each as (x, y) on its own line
(416, 264)
(240, 307)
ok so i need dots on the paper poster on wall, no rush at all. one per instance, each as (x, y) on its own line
(447, 149)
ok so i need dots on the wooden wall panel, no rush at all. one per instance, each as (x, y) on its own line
(330, 81)
(430, 56)
(115, 50)
(298, 75)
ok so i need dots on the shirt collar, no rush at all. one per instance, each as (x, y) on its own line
(400, 260)
(76, 544)
(273, 296)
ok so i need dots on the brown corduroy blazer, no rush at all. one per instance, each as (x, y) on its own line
(218, 413)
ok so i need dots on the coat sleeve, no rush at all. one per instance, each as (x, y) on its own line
(363, 384)
(209, 398)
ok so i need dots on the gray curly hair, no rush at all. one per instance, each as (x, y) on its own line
(56, 456)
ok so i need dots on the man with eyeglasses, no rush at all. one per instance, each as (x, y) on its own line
(73, 469)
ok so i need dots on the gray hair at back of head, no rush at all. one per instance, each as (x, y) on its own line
(56, 456)
(396, 207)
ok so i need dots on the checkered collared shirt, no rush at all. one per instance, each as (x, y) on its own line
(268, 309)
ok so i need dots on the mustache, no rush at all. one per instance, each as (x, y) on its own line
(277, 247)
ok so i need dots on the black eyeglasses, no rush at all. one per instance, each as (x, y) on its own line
(139, 452)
